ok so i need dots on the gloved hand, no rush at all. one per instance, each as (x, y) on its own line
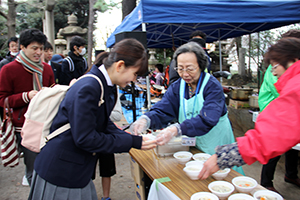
(148, 143)
(140, 125)
(168, 133)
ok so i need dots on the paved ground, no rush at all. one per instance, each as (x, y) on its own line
(123, 185)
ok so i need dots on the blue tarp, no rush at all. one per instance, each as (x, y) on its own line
(172, 21)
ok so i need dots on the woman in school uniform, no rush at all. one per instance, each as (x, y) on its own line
(64, 167)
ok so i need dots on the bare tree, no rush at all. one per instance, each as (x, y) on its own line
(127, 7)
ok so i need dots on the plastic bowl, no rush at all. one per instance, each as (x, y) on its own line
(239, 196)
(201, 156)
(200, 195)
(261, 193)
(193, 171)
(183, 156)
(221, 174)
(244, 184)
(216, 186)
(194, 162)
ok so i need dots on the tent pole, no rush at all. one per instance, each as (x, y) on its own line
(220, 55)
(147, 78)
(148, 92)
(143, 27)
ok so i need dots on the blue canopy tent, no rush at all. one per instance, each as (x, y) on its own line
(169, 23)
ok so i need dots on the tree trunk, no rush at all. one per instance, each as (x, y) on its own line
(11, 18)
(127, 7)
(249, 56)
(90, 31)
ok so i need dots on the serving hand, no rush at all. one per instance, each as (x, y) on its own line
(139, 126)
(148, 143)
(209, 167)
(166, 135)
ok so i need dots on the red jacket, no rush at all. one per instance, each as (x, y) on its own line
(15, 82)
(277, 128)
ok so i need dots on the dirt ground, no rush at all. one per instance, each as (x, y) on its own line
(123, 187)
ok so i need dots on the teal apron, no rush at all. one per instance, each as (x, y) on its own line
(220, 134)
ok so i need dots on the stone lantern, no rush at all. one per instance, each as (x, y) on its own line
(152, 61)
(71, 30)
(60, 44)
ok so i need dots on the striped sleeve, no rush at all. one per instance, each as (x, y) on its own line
(25, 97)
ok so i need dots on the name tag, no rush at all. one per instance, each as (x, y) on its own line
(187, 141)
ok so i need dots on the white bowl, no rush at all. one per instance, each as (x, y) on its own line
(239, 196)
(221, 174)
(201, 156)
(215, 186)
(194, 162)
(241, 182)
(259, 193)
(193, 171)
(183, 156)
(208, 195)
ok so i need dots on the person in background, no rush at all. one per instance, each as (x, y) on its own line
(56, 61)
(196, 36)
(107, 166)
(277, 127)
(74, 65)
(196, 100)
(48, 53)
(20, 80)
(159, 68)
(268, 93)
(13, 50)
(64, 167)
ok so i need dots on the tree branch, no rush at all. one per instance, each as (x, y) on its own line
(3, 14)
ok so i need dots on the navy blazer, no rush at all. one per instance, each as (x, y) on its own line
(68, 160)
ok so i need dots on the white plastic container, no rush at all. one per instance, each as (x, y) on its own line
(241, 181)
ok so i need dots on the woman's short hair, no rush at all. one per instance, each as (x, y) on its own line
(160, 67)
(284, 51)
(192, 47)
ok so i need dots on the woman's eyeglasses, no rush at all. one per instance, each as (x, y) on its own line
(274, 67)
(188, 70)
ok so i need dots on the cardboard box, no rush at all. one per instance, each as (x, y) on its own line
(140, 192)
(238, 104)
(138, 177)
(136, 172)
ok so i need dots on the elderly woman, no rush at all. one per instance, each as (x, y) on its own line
(277, 128)
(196, 101)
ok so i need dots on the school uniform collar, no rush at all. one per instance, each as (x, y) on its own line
(104, 72)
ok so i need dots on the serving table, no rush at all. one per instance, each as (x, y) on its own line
(177, 182)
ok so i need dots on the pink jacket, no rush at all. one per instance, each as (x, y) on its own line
(277, 129)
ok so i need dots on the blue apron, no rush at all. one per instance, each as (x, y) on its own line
(220, 134)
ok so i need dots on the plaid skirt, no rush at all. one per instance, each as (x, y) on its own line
(43, 190)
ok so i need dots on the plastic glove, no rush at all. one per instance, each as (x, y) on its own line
(167, 134)
(140, 125)
(148, 143)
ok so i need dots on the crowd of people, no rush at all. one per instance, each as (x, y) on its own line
(65, 167)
